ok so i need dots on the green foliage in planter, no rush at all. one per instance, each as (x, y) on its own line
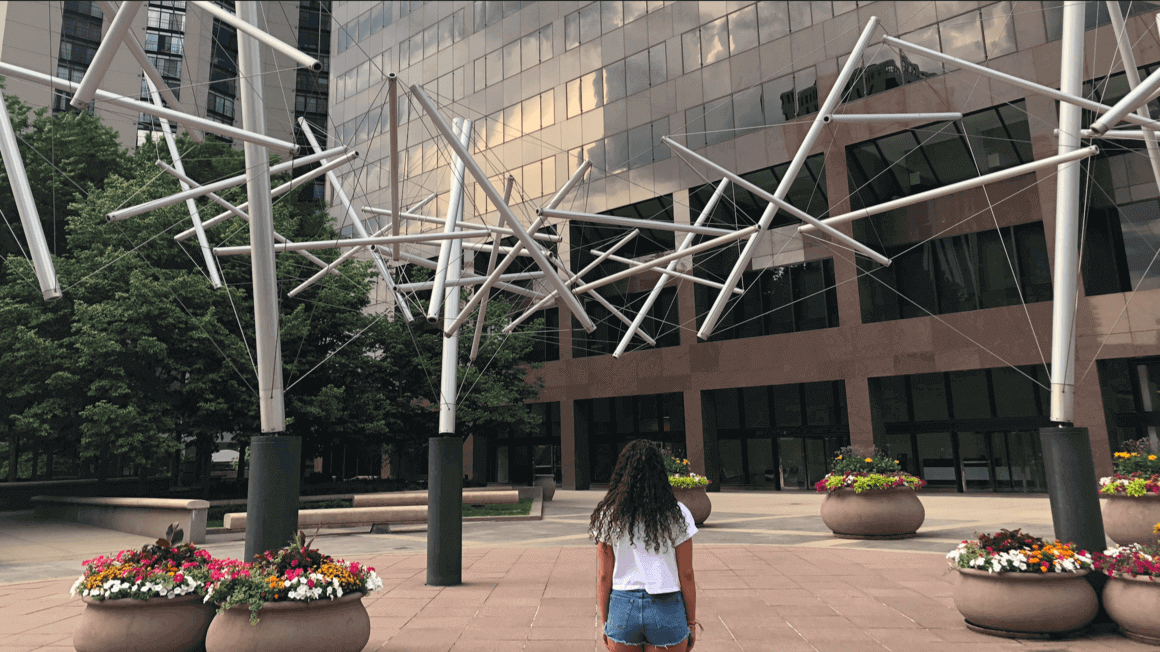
(854, 459)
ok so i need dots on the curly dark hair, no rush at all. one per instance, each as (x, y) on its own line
(639, 492)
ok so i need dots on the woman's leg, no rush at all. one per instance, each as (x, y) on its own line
(679, 647)
(613, 646)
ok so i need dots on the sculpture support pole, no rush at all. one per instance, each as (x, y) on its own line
(26, 206)
(272, 505)
(393, 113)
(492, 259)
(445, 452)
(1133, 76)
(118, 28)
(1067, 453)
(195, 217)
(450, 225)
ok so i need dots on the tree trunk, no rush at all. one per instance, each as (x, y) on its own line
(13, 456)
(49, 459)
(205, 465)
(104, 461)
(240, 479)
(35, 463)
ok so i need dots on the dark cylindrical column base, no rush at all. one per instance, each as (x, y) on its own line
(272, 503)
(1072, 487)
(445, 511)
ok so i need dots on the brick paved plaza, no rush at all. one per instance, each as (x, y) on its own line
(769, 577)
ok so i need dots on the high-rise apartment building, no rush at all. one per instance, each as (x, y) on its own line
(939, 359)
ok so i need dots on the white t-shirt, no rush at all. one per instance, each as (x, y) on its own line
(639, 567)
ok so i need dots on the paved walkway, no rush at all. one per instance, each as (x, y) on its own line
(769, 577)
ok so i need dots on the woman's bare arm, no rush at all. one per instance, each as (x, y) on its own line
(688, 582)
(605, 564)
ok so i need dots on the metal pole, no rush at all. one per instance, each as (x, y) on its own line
(918, 198)
(1067, 454)
(1046, 91)
(633, 222)
(890, 117)
(674, 274)
(356, 222)
(203, 243)
(1067, 220)
(467, 281)
(194, 193)
(269, 354)
(280, 190)
(26, 206)
(234, 210)
(1133, 75)
(471, 226)
(137, 106)
(799, 159)
(492, 259)
(350, 242)
(150, 70)
(445, 455)
(105, 51)
(450, 225)
(1136, 98)
(1116, 134)
(329, 268)
(393, 113)
(504, 210)
(272, 505)
(251, 28)
(656, 291)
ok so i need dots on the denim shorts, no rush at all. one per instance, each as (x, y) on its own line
(638, 617)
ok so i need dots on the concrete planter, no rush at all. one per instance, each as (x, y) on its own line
(697, 500)
(340, 625)
(1134, 603)
(153, 625)
(1025, 604)
(877, 513)
(548, 483)
(1130, 519)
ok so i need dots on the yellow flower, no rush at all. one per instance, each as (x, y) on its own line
(1157, 528)
(869, 459)
(839, 457)
(1151, 458)
(896, 461)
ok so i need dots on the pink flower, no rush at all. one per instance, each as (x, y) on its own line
(179, 578)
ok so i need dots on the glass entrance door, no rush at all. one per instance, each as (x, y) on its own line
(1018, 462)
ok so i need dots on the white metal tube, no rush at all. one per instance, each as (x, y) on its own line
(775, 200)
(280, 190)
(1067, 219)
(572, 278)
(272, 409)
(571, 183)
(26, 206)
(469, 281)
(193, 193)
(668, 258)
(787, 180)
(1117, 134)
(150, 71)
(1132, 73)
(331, 267)
(118, 28)
(351, 242)
(1135, 98)
(1046, 91)
(137, 106)
(276, 44)
(449, 375)
(672, 266)
(450, 225)
(631, 222)
(492, 259)
(234, 210)
(890, 117)
(504, 210)
(355, 220)
(472, 226)
(673, 273)
(1009, 173)
(393, 114)
(179, 171)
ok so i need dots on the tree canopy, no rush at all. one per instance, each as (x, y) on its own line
(142, 357)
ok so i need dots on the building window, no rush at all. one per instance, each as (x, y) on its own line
(971, 430)
(607, 424)
(663, 322)
(1095, 15)
(1131, 393)
(787, 299)
(586, 236)
(776, 436)
(80, 35)
(546, 345)
(517, 460)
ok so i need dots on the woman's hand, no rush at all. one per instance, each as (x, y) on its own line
(607, 643)
(692, 638)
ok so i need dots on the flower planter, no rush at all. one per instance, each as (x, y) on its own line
(1134, 603)
(154, 625)
(340, 625)
(1025, 605)
(1130, 519)
(548, 483)
(894, 513)
(697, 500)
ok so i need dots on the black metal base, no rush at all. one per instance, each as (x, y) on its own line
(445, 511)
(1072, 488)
(1035, 636)
(876, 537)
(272, 501)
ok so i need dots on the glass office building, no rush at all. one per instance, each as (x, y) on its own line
(938, 359)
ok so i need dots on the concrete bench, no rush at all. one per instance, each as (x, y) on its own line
(145, 516)
(413, 498)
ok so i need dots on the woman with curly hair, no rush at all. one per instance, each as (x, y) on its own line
(645, 590)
